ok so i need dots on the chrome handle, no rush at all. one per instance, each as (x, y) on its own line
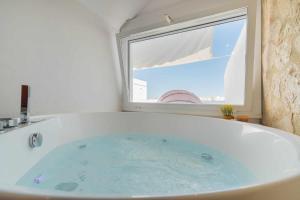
(1, 126)
(8, 123)
(35, 140)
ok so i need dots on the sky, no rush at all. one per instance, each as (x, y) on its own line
(204, 78)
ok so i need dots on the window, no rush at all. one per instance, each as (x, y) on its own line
(199, 64)
(190, 66)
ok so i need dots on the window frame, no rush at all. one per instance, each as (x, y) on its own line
(123, 42)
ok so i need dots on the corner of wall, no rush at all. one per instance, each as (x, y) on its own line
(280, 61)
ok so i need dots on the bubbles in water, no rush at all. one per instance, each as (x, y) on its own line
(82, 176)
(129, 138)
(136, 165)
(84, 162)
(68, 187)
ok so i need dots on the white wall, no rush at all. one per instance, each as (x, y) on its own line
(113, 14)
(62, 51)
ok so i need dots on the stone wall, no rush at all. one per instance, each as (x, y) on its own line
(281, 64)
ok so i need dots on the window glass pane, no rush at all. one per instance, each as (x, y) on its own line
(202, 66)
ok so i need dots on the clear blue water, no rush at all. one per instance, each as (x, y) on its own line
(136, 164)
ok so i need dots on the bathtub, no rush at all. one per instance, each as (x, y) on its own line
(272, 155)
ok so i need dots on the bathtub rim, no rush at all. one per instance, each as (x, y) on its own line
(22, 191)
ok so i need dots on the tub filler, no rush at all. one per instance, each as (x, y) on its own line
(148, 156)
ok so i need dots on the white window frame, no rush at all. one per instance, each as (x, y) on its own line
(123, 41)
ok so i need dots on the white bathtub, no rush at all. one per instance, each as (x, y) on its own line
(272, 155)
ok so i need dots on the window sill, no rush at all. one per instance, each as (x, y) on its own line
(188, 109)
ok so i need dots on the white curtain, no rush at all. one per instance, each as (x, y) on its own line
(180, 48)
(234, 77)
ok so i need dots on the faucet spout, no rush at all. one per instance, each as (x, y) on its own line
(24, 115)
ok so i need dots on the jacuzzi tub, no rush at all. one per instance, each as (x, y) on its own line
(272, 155)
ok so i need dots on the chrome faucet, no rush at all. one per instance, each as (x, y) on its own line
(24, 114)
(6, 123)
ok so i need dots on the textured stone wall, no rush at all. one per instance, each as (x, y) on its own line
(281, 64)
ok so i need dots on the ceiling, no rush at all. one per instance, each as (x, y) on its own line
(155, 5)
(114, 13)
